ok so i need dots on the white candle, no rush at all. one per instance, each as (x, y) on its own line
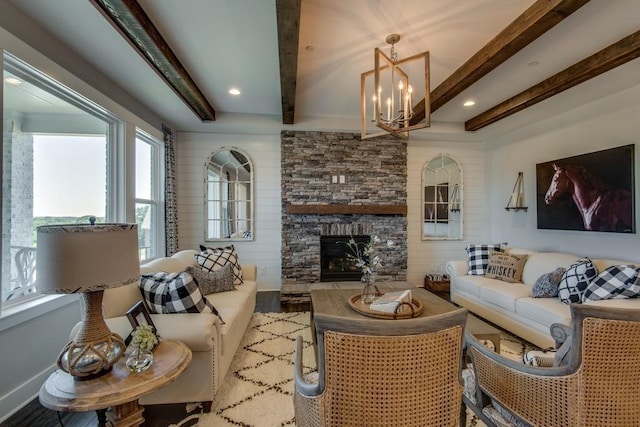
(373, 111)
(389, 109)
(410, 92)
(400, 98)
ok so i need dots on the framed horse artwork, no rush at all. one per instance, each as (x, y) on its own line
(588, 192)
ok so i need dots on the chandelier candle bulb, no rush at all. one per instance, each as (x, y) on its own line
(388, 108)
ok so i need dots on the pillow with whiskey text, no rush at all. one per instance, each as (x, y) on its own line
(504, 266)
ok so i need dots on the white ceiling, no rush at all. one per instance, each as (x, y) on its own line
(233, 43)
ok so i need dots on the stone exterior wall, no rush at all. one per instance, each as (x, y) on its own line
(17, 229)
(375, 173)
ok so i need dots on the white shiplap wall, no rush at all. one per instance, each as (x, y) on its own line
(430, 255)
(264, 150)
(193, 149)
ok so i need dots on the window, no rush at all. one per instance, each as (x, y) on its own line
(149, 209)
(58, 168)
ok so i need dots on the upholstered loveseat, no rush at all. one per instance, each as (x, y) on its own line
(212, 343)
(512, 305)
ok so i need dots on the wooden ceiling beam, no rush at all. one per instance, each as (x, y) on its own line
(624, 50)
(531, 24)
(128, 17)
(288, 17)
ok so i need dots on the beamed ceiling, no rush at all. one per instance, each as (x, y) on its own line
(298, 62)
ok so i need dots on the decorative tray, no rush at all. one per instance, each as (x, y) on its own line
(404, 311)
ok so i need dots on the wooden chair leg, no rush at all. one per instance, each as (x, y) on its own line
(206, 406)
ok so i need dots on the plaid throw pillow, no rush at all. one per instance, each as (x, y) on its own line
(210, 282)
(479, 257)
(213, 259)
(618, 281)
(173, 293)
(575, 280)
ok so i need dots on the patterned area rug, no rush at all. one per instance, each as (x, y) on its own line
(258, 388)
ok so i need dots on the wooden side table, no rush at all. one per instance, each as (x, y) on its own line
(117, 390)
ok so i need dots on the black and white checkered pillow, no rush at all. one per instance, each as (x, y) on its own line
(479, 257)
(617, 281)
(575, 280)
(212, 259)
(174, 293)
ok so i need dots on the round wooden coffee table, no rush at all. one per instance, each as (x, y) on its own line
(117, 390)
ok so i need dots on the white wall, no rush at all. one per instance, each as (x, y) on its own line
(608, 123)
(426, 256)
(264, 152)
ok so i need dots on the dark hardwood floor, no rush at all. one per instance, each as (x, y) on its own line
(35, 415)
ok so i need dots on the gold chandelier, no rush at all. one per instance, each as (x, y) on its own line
(390, 82)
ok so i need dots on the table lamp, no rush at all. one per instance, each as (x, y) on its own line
(87, 259)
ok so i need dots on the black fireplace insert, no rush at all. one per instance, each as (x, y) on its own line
(335, 265)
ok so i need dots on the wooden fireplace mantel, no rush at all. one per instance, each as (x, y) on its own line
(310, 209)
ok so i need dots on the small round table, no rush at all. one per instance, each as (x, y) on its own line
(117, 390)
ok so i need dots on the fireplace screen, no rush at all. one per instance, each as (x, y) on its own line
(335, 265)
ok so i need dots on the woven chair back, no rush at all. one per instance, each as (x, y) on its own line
(410, 380)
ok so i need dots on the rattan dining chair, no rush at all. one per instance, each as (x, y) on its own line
(388, 373)
(599, 385)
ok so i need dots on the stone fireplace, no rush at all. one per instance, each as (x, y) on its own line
(370, 200)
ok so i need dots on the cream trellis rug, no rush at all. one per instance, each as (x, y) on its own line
(257, 390)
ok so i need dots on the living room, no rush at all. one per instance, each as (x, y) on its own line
(572, 123)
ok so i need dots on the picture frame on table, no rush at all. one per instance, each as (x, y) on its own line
(139, 315)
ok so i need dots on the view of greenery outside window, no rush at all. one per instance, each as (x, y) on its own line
(149, 212)
(58, 160)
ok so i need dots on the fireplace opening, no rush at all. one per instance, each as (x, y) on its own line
(335, 265)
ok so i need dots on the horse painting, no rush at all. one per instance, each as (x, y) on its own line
(602, 207)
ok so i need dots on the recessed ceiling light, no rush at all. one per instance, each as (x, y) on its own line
(469, 103)
(13, 81)
(234, 91)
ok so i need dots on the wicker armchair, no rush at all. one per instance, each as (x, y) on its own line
(599, 384)
(383, 372)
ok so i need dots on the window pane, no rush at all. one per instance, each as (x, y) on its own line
(146, 219)
(143, 169)
(54, 171)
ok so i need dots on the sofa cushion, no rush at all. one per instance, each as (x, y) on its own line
(544, 311)
(544, 262)
(173, 293)
(210, 282)
(472, 284)
(478, 257)
(504, 294)
(617, 281)
(504, 266)
(215, 258)
(575, 280)
(547, 285)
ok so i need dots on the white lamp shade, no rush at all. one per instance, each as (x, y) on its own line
(86, 258)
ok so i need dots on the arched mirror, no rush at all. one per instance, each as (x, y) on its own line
(442, 199)
(229, 196)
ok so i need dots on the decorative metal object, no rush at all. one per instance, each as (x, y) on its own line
(390, 82)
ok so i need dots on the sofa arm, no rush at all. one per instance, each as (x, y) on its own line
(249, 272)
(198, 331)
(457, 268)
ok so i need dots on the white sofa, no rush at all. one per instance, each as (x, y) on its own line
(512, 306)
(212, 343)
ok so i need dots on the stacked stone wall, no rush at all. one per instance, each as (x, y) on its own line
(375, 173)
